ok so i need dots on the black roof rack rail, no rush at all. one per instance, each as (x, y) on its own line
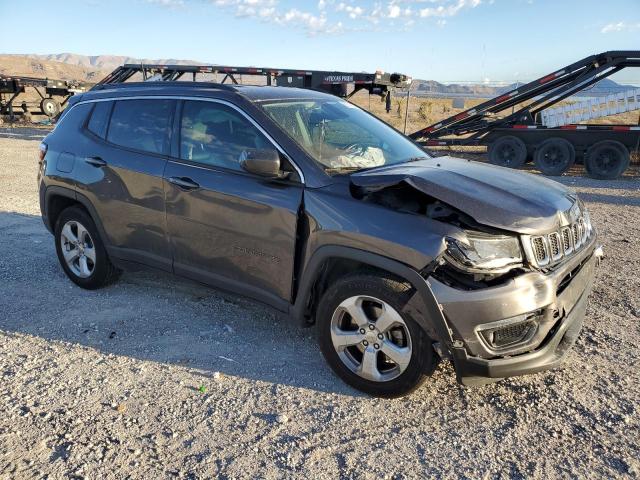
(152, 84)
(343, 84)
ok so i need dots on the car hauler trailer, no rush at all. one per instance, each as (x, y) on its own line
(342, 84)
(336, 83)
(553, 138)
(53, 94)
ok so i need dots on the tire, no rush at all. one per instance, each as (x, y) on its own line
(369, 295)
(508, 151)
(554, 156)
(606, 160)
(96, 270)
(50, 107)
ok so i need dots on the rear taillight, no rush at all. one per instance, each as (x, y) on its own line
(43, 151)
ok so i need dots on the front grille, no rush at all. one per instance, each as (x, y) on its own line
(554, 246)
(539, 249)
(567, 245)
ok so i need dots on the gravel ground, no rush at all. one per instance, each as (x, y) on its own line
(155, 378)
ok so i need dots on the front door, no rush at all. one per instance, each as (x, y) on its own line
(227, 227)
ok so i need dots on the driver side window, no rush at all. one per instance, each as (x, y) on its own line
(215, 134)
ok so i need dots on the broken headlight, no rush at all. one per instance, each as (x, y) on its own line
(482, 253)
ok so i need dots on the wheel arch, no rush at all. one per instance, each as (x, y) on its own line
(423, 305)
(56, 199)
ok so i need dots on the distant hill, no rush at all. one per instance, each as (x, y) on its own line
(436, 89)
(105, 62)
(70, 66)
(26, 66)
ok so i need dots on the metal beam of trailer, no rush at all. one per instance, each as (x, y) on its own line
(336, 83)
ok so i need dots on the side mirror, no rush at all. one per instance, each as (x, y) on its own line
(263, 162)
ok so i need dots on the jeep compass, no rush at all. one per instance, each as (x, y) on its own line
(307, 203)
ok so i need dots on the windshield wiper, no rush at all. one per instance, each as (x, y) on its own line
(415, 159)
(343, 169)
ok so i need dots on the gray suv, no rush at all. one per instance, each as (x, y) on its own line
(309, 204)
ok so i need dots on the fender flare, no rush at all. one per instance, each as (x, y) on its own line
(55, 190)
(423, 306)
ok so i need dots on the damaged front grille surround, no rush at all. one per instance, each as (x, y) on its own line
(553, 247)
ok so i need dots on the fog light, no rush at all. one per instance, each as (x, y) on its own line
(510, 332)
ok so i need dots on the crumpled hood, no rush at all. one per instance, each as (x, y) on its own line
(494, 196)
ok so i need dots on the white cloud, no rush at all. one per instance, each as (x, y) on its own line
(336, 16)
(448, 9)
(167, 3)
(620, 27)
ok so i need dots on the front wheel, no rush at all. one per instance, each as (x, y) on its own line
(368, 340)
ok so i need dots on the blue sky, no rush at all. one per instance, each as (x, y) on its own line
(444, 40)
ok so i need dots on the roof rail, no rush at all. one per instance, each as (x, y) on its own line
(164, 84)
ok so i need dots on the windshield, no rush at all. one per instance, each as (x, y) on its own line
(340, 136)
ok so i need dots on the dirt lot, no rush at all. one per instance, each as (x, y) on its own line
(107, 384)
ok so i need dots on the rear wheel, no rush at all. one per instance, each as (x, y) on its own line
(81, 251)
(606, 160)
(554, 156)
(368, 340)
(508, 151)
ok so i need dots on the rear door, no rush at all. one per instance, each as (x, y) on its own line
(227, 227)
(122, 176)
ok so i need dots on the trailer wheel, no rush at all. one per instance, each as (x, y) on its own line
(606, 160)
(50, 107)
(508, 151)
(554, 156)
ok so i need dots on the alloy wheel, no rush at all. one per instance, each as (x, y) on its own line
(78, 249)
(371, 338)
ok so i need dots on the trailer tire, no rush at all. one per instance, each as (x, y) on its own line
(50, 107)
(508, 151)
(606, 160)
(554, 156)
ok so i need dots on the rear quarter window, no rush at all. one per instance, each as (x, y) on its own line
(141, 124)
(74, 118)
(99, 118)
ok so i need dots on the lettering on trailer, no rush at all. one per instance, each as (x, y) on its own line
(338, 79)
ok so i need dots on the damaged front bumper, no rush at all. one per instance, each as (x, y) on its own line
(524, 326)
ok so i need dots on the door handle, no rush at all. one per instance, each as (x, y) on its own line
(95, 161)
(184, 182)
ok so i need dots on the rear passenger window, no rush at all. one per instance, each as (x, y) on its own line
(141, 124)
(215, 134)
(99, 118)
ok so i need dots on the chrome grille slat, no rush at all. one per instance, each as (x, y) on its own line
(554, 246)
(555, 249)
(566, 240)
